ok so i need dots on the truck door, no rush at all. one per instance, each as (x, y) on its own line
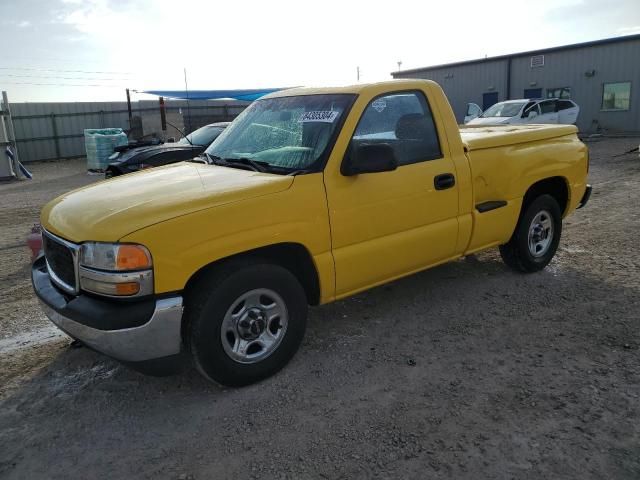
(387, 224)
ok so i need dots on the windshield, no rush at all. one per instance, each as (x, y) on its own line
(287, 132)
(202, 136)
(504, 109)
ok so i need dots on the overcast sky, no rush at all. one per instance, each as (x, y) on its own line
(145, 44)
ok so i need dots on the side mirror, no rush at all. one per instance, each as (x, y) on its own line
(171, 140)
(369, 158)
(532, 114)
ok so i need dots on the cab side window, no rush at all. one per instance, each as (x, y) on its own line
(404, 121)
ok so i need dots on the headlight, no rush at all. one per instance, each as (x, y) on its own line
(114, 256)
(115, 270)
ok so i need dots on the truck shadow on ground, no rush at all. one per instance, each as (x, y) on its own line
(481, 369)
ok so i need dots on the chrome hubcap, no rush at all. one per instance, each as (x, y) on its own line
(540, 233)
(254, 326)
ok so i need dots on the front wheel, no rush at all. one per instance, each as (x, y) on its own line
(536, 237)
(246, 322)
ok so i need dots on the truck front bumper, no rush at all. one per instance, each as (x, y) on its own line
(147, 332)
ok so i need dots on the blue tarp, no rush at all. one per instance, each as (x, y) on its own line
(247, 95)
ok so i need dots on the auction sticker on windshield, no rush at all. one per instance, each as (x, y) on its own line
(318, 116)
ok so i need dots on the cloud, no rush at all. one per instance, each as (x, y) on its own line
(255, 43)
(87, 17)
(629, 30)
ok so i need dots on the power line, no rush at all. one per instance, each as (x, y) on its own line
(60, 78)
(33, 69)
(49, 58)
(62, 84)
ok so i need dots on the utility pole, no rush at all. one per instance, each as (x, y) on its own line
(358, 73)
(129, 107)
(399, 65)
(186, 89)
(163, 115)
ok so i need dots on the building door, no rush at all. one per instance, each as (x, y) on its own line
(532, 93)
(488, 99)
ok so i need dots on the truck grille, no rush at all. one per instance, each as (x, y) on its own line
(60, 260)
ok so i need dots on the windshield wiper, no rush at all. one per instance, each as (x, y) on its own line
(227, 162)
(255, 165)
(214, 159)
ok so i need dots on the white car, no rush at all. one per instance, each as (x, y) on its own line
(512, 112)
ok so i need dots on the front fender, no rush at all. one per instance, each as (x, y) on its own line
(181, 246)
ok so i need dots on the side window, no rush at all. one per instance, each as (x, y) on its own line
(615, 96)
(564, 105)
(404, 121)
(561, 92)
(548, 106)
(531, 107)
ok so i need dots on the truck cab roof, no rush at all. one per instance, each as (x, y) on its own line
(400, 84)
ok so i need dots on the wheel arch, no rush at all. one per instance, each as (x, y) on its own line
(557, 187)
(295, 257)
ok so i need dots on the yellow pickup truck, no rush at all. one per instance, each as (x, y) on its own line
(309, 196)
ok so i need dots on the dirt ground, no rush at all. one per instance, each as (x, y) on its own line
(466, 371)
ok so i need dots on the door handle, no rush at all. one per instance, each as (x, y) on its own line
(444, 181)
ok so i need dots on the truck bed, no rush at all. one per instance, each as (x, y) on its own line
(482, 136)
(504, 161)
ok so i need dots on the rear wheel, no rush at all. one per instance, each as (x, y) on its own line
(111, 172)
(536, 237)
(246, 322)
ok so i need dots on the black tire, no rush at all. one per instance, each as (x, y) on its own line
(516, 253)
(111, 172)
(213, 296)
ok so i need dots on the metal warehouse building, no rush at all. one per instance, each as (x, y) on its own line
(602, 77)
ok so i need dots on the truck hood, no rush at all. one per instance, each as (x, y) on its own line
(114, 208)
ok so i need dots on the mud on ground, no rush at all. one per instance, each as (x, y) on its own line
(465, 371)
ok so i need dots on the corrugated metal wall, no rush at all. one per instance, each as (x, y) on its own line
(55, 130)
(463, 85)
(47, 131)
(612, 62)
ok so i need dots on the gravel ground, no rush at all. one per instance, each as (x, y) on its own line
(464, 371)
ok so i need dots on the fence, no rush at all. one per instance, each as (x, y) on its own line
(51, 131)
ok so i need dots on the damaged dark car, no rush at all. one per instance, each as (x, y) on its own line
(127, 159)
